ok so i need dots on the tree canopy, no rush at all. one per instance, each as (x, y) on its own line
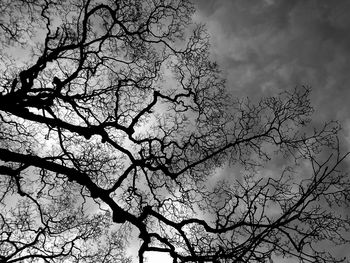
(115, 125)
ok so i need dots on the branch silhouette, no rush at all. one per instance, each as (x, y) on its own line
(116, 127)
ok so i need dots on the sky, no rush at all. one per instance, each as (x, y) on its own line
(266, 46)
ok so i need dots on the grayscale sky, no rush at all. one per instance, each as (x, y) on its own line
(266, 46)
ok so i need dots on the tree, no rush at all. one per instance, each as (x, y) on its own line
(114, 121)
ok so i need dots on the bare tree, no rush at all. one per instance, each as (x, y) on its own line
(114, 122)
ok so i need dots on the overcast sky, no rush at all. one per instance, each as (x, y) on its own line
(265, 46)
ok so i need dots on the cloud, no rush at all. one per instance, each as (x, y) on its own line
(267, 46)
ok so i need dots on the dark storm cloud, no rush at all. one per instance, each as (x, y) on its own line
(267, 46)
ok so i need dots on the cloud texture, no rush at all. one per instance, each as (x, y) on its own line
(267, 46)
